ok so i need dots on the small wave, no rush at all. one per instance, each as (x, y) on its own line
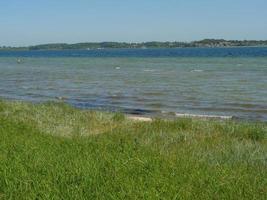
(117, 68)
(196, 70)
(115, 96)
(153, 93)
(149, 70)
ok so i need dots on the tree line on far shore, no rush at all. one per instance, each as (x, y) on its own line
(109, 45)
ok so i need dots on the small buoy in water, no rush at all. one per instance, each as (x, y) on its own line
(18, 61)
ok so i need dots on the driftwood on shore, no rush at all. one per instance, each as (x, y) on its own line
(139, 118)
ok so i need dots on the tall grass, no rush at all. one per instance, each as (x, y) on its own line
(53, 151)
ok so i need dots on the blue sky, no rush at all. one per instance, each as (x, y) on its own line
(28, 22)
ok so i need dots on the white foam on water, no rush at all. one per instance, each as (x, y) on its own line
(149, 70)
(196, 70)
(25, 87)
(203, 116)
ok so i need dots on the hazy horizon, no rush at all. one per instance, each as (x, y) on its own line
(43, 22)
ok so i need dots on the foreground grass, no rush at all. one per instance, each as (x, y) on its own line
(53, 151)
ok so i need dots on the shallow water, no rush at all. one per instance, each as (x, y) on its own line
(234, 85)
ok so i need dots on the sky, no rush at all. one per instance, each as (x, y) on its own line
(30, 22)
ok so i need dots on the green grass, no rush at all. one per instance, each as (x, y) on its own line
(53, 151)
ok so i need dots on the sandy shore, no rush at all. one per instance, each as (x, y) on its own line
(180, 115)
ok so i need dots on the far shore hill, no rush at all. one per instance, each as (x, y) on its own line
(211, 43)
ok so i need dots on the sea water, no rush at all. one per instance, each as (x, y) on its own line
(204, 81)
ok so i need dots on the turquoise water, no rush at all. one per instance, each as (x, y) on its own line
(234, 86)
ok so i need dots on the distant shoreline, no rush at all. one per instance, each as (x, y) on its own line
(206, 43)
(225, 47)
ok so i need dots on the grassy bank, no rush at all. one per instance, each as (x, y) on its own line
(53, 151)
